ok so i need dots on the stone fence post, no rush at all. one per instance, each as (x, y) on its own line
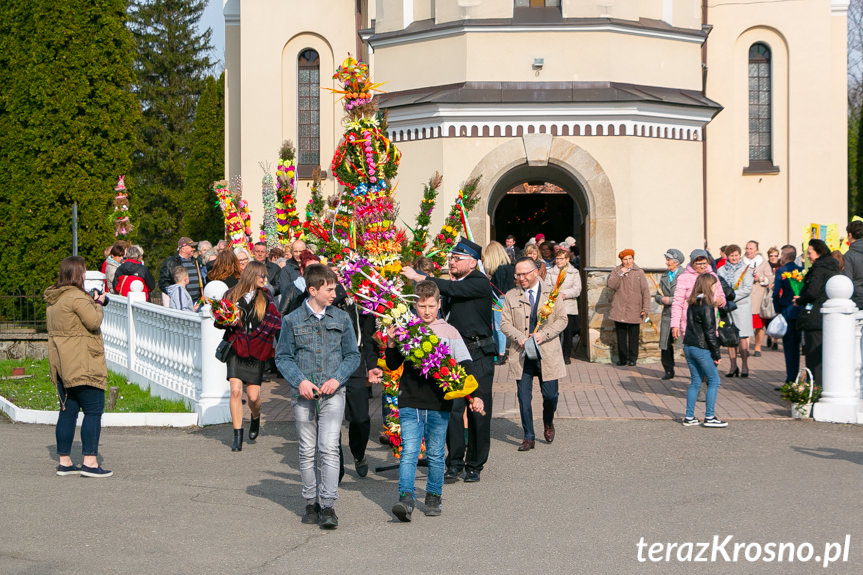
(840, 396)
(213, 404)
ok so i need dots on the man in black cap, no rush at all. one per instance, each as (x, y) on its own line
(467, 301)
(182, 257)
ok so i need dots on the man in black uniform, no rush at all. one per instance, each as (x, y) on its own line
(467, 300)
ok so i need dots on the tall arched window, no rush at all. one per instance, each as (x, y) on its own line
(760, 110)
(308, 112)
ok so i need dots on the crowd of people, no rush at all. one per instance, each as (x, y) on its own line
(501, 306)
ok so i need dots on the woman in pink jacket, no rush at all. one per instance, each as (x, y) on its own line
(698, 264)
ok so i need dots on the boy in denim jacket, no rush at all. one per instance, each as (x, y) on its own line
(316, 354)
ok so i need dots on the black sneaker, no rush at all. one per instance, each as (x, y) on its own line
(714, 422)
(452, 475)
(432, 505)
(68, 470)
(95, 472)
(312, 513)
(362, 467)
(328, 518)
(690, 421)
(404, 507)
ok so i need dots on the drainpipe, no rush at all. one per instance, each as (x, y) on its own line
(705, 27)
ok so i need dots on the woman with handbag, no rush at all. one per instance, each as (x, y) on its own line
(76, 356)
(812, 297)
(762, 277)
(739, 276)
(251, 339)
(701, 348)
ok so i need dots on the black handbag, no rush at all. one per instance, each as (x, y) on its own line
(223, 351)
(727, 333)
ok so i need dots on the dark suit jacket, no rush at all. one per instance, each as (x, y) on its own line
(467, 305)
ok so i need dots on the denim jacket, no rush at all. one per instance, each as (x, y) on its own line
(317, 349)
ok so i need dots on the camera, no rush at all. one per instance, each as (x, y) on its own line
(96, 292)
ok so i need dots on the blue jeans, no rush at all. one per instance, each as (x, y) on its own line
(319, 426)
(525, 397)
(90, 400)
(416, 424)
(701, 366)
(498, 335)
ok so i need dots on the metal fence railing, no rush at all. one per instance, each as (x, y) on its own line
(22, 312)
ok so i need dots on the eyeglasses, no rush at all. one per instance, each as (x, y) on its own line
(524, 275)
(699, 263)
(262, 276)
(243, 260)
(457, 258)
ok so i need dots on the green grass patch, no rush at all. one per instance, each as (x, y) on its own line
(38, 392)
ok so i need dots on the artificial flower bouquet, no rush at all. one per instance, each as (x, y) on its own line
(224, 312)
(795, 278)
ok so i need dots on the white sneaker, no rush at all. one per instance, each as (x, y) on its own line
(690, 421)
(715, 422)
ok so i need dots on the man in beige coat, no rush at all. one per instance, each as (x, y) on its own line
(521, 310)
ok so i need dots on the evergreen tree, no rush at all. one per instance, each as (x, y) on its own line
(67, 115)
(203, 218)
(172, 64)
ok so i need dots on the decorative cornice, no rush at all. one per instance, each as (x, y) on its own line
(839, 7)
(428, 30)
(511, 109)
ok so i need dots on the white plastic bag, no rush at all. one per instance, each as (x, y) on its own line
(777, 327)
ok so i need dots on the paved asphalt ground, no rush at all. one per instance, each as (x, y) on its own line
(181, 502)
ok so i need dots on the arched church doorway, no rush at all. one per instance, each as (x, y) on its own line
(528, 200)
(534, 207)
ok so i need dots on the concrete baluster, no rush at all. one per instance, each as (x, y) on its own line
(840, 397)
(215, 392)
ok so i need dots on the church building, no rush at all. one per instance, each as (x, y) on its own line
(643, 124)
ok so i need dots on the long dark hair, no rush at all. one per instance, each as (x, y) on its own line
(246, 284)
(226, 266)
(72, 271)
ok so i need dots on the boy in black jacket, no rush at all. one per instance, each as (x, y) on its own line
(423, 411)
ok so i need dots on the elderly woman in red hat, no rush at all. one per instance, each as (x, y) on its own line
(629, 305)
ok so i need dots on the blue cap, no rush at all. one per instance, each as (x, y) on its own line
(466, 247)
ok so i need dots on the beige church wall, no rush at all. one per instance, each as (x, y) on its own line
(451, 11)
(498, 57)
(809, 132)
(268, 70)
(644, 192)
(648, 180)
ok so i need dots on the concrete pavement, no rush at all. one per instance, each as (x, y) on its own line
(181, 502)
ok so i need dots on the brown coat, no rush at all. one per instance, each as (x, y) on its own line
(514, 323)
(76, 353)
(631, 295)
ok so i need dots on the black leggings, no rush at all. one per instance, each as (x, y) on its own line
(627, 341)
(573, 328)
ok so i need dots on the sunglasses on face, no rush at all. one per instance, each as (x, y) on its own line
(262, 276)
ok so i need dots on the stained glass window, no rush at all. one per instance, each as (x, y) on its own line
(308, 109)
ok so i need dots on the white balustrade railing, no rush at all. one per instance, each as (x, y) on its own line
(171, 352)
